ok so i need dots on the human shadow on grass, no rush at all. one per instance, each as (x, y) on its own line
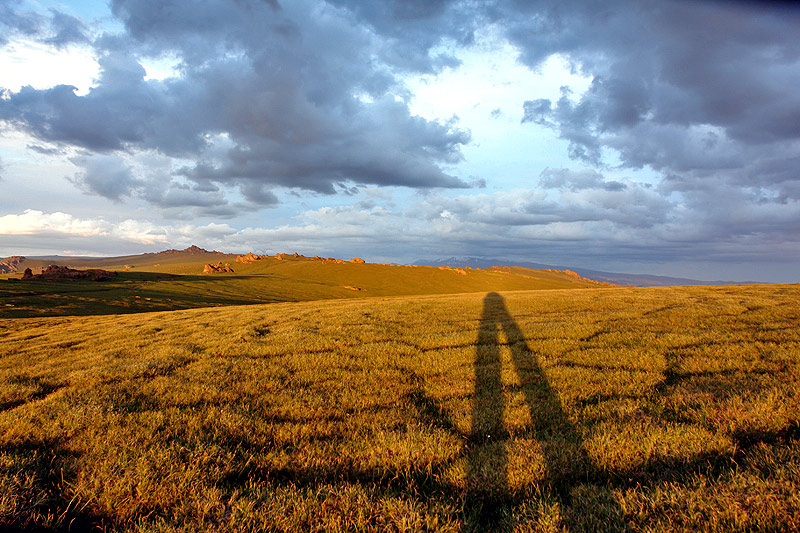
(490, 498)
(39, 474)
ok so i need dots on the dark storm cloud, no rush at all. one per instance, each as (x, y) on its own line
(105, 175)
(16, 21)
(44, 150)
(414, 27)
(66, 30)
(58, 29)
(178, 195)
(703, 93)
(300, 95)
(678, 86)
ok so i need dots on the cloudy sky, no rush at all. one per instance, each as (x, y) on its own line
(637, 136)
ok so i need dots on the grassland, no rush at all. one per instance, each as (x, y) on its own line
(596, 409)
(175, 281)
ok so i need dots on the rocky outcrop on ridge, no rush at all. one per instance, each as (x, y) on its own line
(456, 270)
(10, 265)
(219, 267)
(248, 258)
(578, 277)
(55, 273)
(253, 257)
(192, 250)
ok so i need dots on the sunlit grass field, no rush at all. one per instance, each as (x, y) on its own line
(180, 284)
(589, 409)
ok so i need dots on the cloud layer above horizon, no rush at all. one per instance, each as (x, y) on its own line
(681, 148)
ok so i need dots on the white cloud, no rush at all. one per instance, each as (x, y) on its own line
(496, 79)
(37, 223)
(72, 65)
(139, 232)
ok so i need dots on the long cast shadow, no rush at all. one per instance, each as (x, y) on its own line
(567, 465)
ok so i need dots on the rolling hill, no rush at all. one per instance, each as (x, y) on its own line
(174, 279)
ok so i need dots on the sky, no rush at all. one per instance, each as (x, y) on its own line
(639, 136)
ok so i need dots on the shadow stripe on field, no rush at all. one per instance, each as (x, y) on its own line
(566, 461)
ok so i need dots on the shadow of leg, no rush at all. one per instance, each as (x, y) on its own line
(565, 457)
(487, 468)
(568, 466)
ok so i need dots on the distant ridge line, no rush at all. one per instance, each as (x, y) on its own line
(618, 278)
(191, 250)
(11, 265)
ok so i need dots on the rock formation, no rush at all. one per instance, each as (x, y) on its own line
(251, 257)
(248, 258)
(9, 265)
(219, 267)
(456, 270)
(55, 272)
(192, 250)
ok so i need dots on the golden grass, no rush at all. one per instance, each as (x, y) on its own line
(179, 284)
(603, 409)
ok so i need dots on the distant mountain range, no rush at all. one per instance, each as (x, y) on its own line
(636, 280)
